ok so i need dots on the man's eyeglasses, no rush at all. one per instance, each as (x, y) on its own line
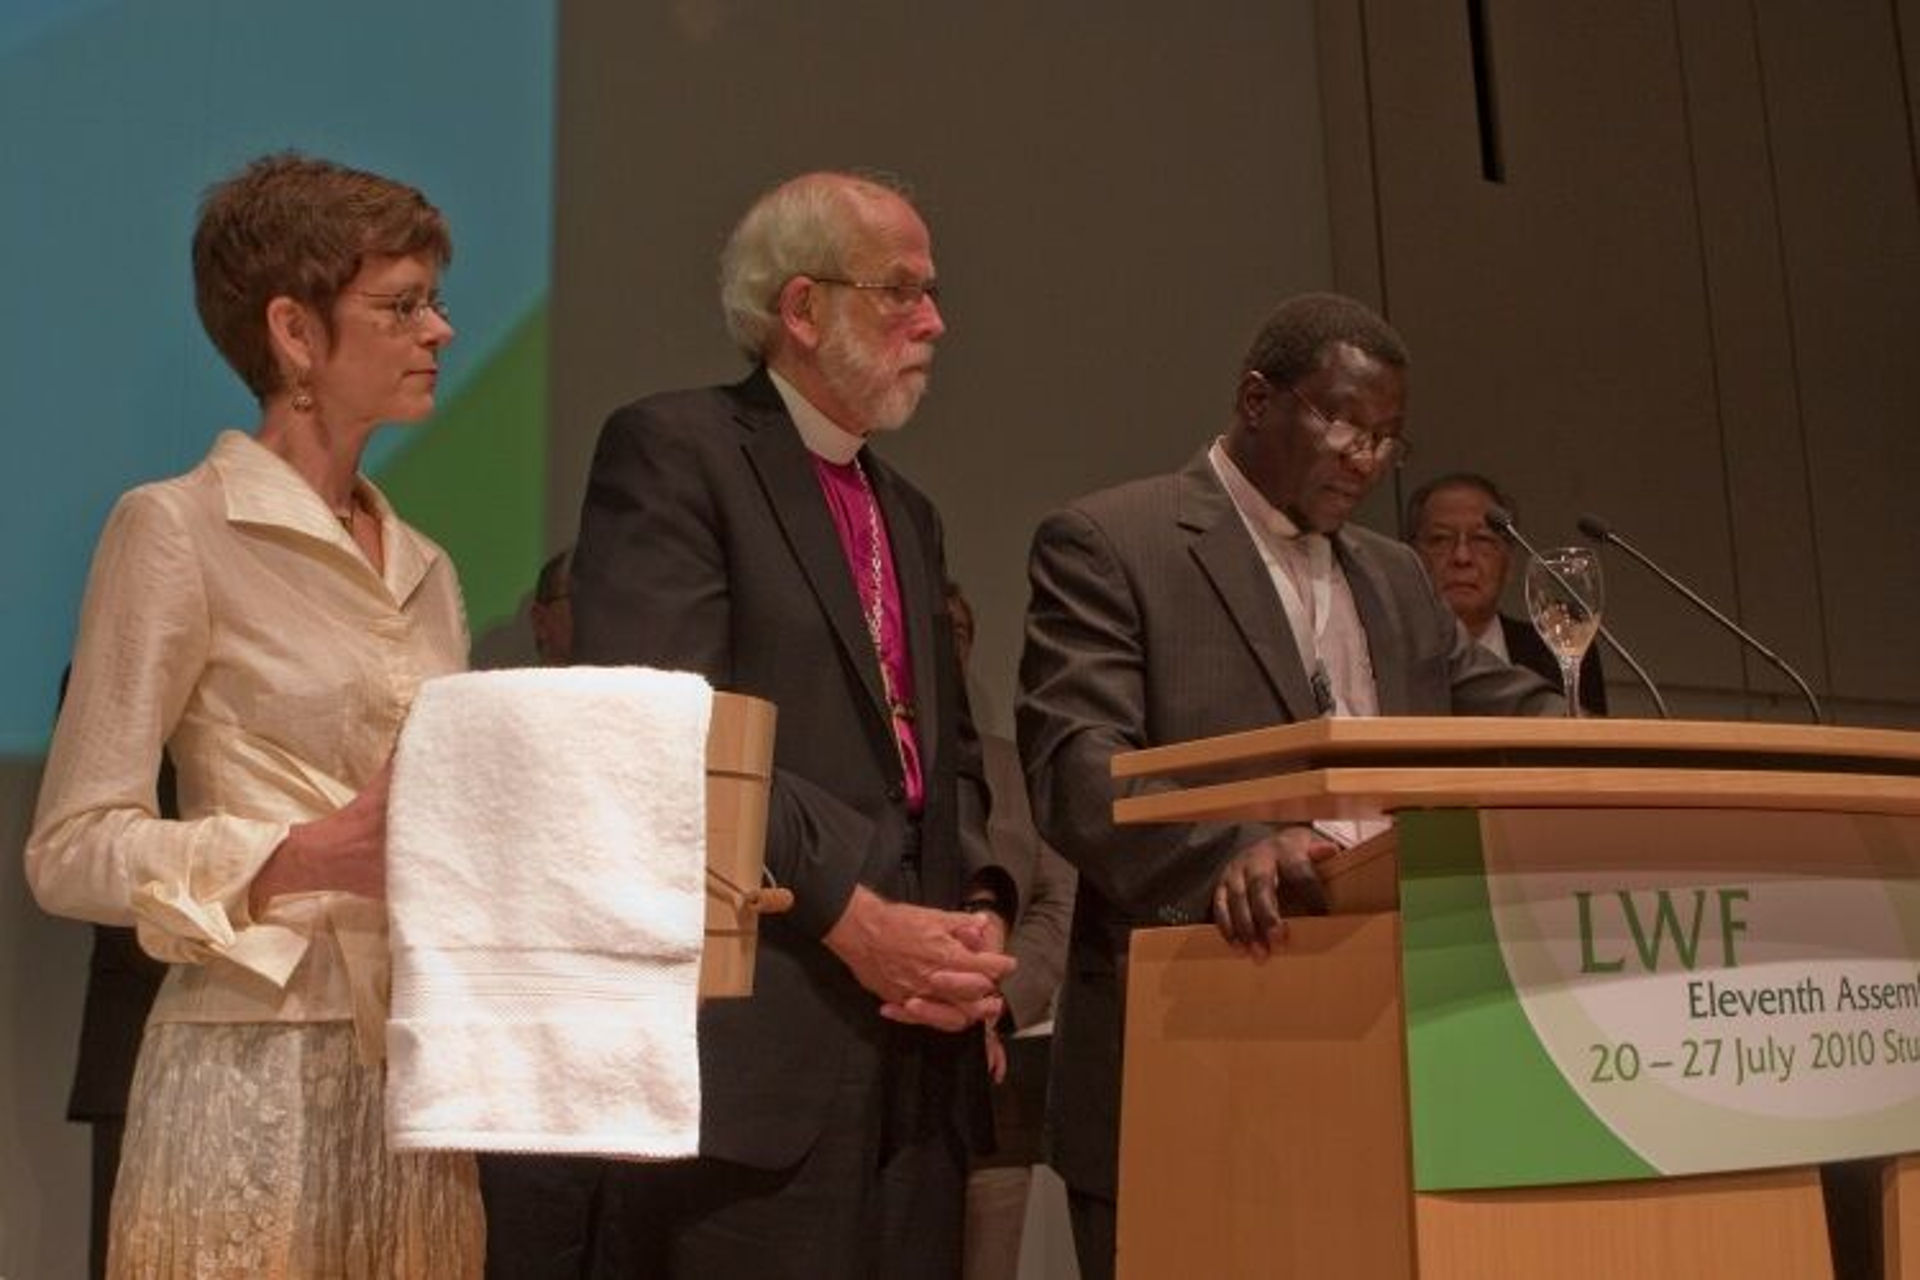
(1348, 440)
(409, 308)
(1480, 542)
(904, 295)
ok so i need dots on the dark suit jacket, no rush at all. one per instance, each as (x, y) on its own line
(1152, 621)
(706, 545)
(122, 981)
(1527, 649)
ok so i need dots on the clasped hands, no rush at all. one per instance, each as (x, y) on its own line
(1248, 898)
(939, 969)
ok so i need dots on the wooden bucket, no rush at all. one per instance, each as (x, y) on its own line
(739, 773)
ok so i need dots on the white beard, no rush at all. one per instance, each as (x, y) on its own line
(862, 381)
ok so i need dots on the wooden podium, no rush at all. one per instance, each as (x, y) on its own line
(1265, 1124)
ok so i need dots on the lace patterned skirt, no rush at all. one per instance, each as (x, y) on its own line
(257, 1150)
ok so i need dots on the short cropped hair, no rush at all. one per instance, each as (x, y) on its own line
(805, 226)
(1294, 340)
(299, 227)
(1417, 504)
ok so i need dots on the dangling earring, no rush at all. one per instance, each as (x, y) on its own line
(302, 397)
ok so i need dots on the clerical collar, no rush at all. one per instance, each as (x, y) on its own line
(823, 436)
(1252, 504)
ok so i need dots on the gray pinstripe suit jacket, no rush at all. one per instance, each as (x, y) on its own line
(1153, 620)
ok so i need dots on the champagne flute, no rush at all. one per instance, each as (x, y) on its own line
(1564, 595)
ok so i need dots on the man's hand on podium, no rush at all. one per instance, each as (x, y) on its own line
(940, 969)
(1246, 901)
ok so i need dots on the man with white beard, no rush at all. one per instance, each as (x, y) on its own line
(746, 532)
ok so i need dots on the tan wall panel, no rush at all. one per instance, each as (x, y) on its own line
(1560, 335)
(1352, 210)
(1117, 195)
(1707, 208)
(1774, 565)
(1906, 15)
(1850, 229)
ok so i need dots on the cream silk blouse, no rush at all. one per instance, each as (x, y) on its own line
(229, 617)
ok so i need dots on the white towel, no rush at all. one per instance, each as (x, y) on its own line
(546, 869)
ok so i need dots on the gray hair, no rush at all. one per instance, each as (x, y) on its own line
(805, 226)
(1417, 504)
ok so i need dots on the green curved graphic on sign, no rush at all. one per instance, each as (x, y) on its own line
(1516, 1121)
(1726, 989)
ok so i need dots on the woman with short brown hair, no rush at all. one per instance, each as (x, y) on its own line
(265, 620)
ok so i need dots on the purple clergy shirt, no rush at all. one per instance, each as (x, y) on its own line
(856, 519)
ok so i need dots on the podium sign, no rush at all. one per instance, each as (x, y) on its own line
(1594, 954)
(1631, 993)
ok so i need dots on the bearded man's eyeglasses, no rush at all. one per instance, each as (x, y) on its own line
(902, 294)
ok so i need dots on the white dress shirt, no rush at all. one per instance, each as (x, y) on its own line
(1493, 638)
(1312, 589)
(1319, 606)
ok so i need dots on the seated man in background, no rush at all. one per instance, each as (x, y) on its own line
(1468, 562)
(1020, 1044)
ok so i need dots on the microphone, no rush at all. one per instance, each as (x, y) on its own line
(1500, 520)
(1600, 531)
